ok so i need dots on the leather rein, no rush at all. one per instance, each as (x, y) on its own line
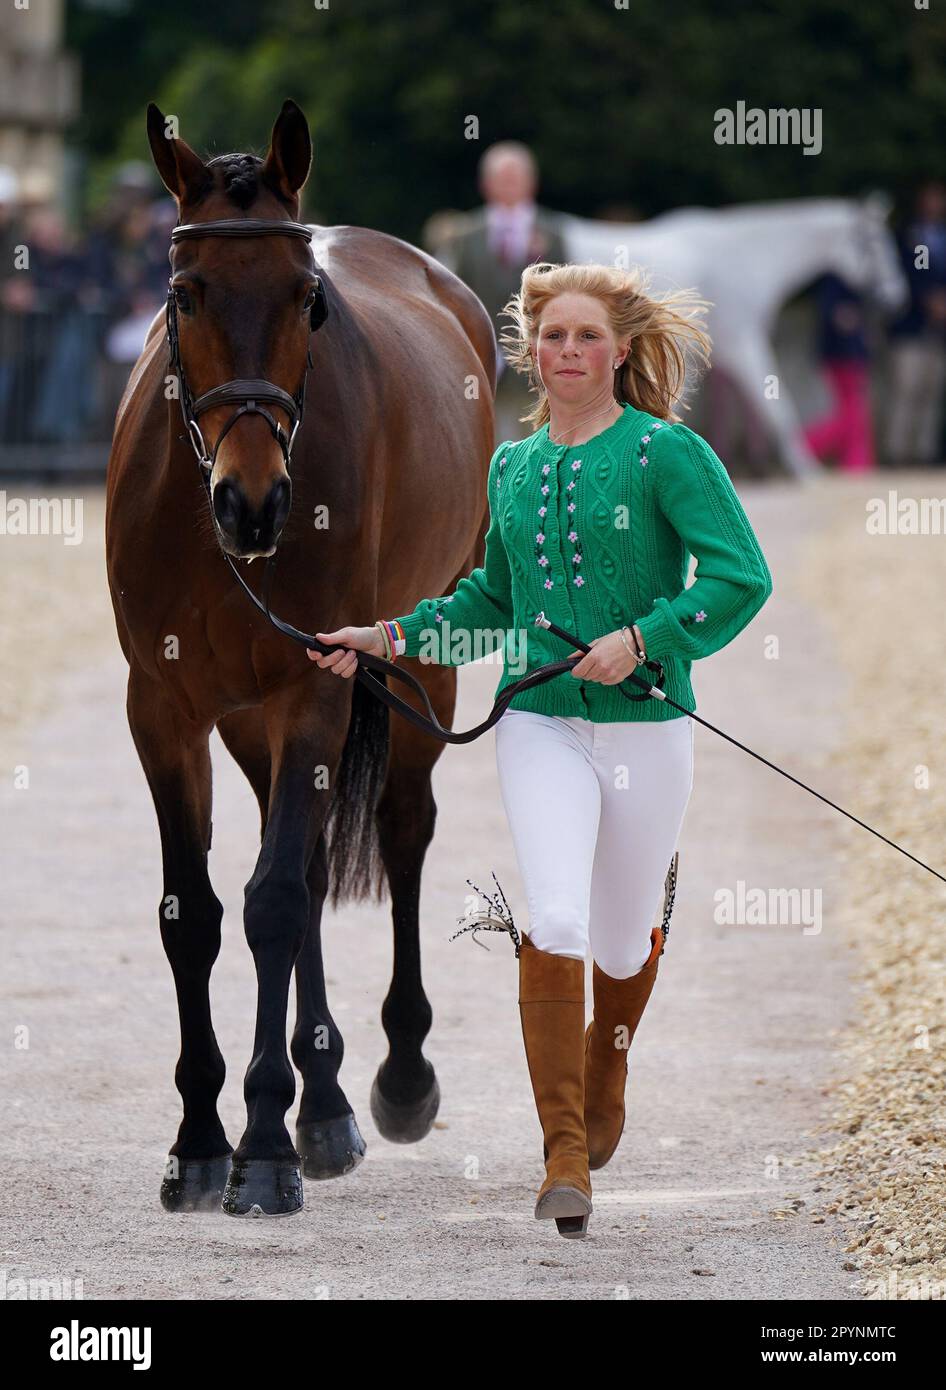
(253, 396)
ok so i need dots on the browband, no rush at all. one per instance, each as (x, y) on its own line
(238, 226)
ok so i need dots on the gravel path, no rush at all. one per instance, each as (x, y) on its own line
(709, 1195)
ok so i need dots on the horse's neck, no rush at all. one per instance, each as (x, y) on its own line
(795, 246)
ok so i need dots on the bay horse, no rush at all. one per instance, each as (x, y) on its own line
(382, 502)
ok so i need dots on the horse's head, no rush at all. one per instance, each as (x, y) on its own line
(868, 259)
(241, 309)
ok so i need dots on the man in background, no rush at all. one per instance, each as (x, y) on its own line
(493, 246)
(917, 340)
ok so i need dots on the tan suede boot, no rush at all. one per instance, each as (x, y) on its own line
(552, 1009)
(617, 1012)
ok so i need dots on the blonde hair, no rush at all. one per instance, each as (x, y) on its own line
(666, 333)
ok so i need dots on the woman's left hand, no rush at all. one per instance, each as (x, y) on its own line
(609, 661)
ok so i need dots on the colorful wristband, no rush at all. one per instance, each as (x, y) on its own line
(396, 638)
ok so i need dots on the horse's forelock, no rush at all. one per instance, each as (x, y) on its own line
(239, 177)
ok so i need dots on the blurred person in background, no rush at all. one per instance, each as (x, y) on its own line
(40, 387)
(162, 216)
(59, 392)
(14, 287)
(847, 432)
(496, 243)
(917, 339)
(119, 246)
(127, 274)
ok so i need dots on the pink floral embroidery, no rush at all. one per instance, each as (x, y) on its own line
(701, 616)
(540, 535)
(572, 535)
(440, 602)
(645, 439)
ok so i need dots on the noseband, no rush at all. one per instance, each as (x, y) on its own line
(251, 396)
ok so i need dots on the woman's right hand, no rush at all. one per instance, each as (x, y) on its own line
(357, 639)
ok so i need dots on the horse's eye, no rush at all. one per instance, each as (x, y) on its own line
(309, 300)
(182, 299)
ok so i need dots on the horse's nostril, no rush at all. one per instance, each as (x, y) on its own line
(276, 507)
(227, 506)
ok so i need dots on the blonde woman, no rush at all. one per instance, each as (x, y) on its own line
(593, 518)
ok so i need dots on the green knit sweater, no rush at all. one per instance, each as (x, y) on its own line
(596, 535)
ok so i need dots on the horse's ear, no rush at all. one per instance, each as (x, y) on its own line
(182, 171)
(286, 166)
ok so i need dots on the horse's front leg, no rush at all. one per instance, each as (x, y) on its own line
(175, 756)
(265, 1176)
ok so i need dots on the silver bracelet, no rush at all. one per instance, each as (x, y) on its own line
(636, 655)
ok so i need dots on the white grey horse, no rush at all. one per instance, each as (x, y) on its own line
(749, 260)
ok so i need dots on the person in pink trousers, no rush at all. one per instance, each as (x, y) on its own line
(847, 432)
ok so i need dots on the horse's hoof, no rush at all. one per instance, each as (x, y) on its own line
(405, 1123)
(263, 1187)
(194, 1184)
(330, 1148)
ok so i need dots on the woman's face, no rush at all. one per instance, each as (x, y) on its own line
(576, 349)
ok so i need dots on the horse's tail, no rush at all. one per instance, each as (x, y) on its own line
(355, 867)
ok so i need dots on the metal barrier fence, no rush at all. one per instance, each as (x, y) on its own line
(60, 388)
(58, 391)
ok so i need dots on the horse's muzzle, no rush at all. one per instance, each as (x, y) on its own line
(247, 530)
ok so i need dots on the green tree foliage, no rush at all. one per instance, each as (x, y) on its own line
(618, 103)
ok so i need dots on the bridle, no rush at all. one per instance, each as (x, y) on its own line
(251, 396)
